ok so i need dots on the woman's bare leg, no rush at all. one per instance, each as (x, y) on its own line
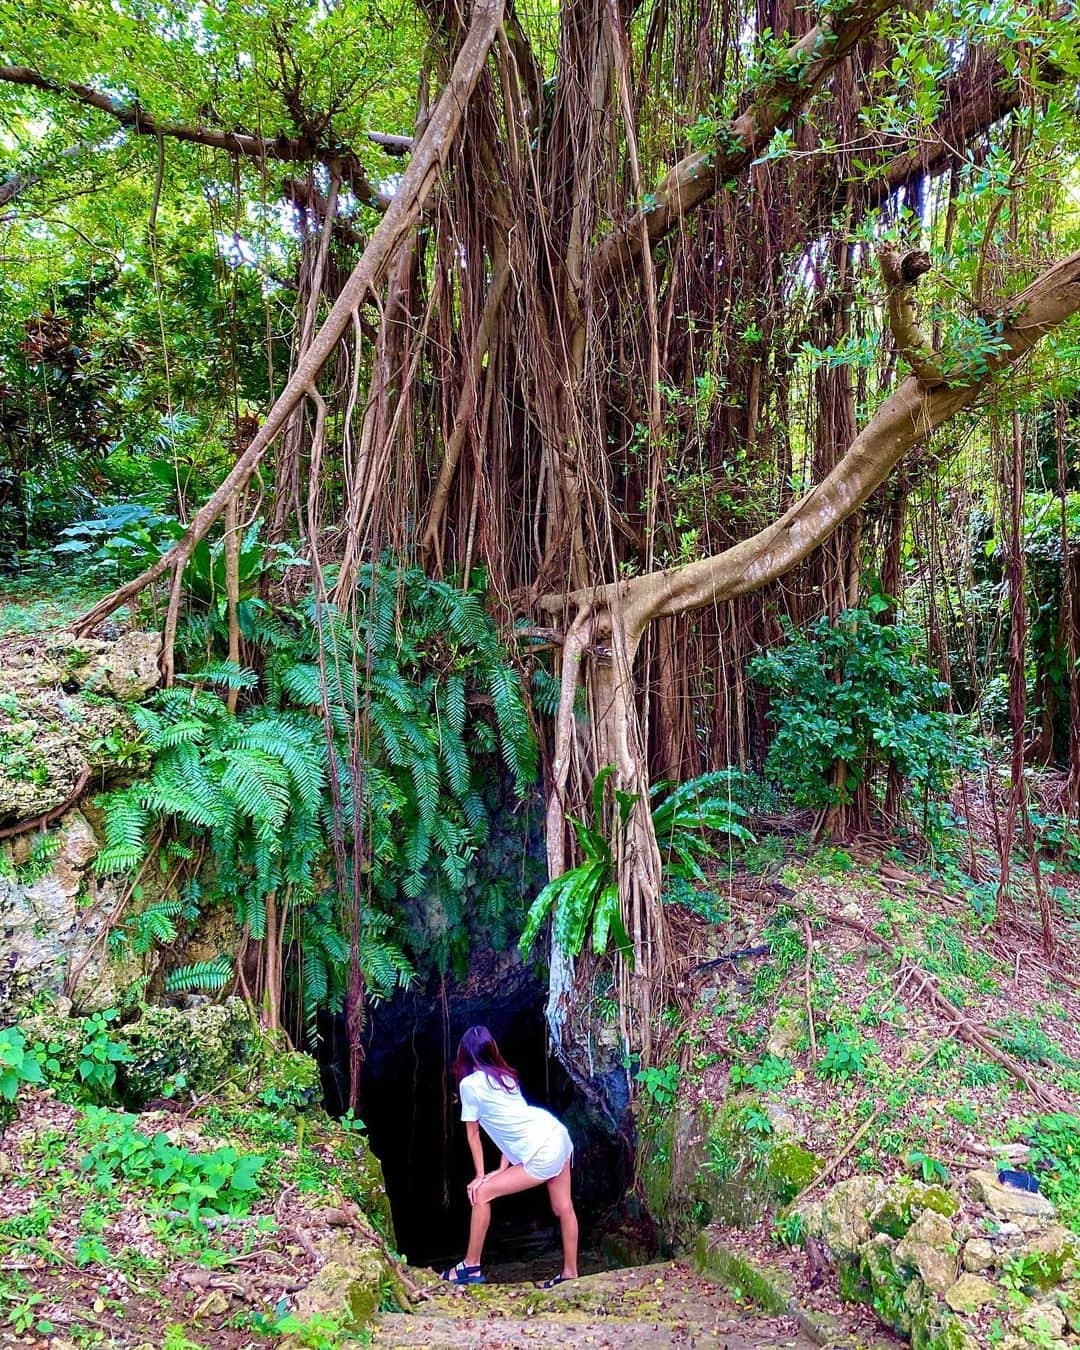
(506, 1182)
(562, 1206)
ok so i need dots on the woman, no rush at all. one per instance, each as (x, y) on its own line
(535, 1148)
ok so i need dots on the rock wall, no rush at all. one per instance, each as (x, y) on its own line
(55, 918)
(953, 1269)
(65, 730)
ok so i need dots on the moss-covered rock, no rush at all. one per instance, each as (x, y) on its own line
(902, 1203)
(165, 1050)
(789, 1167)
(766, 1289)
(928, 1250)
(62, 717)
(703, 1165)
(970, 1293)
(358, 1174)
(841, 1218)
(198, 1049)
(349, 1289)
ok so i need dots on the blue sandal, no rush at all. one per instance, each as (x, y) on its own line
(463, 1274)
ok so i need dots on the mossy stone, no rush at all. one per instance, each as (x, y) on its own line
(206, 1045)
(904, 1201)
(789, 1168)
(348, 1288)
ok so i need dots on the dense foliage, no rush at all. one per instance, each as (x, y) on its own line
(852, 700)
(251, 809)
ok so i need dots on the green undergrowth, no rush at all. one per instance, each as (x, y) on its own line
(108, 1212)
(881, 1054)
(44, 597)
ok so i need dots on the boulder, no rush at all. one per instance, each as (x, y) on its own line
(348, 1289)
(784, 1125)
(970, 1293)
(1008, 1202)
(903, 1201)
(1044, 1319)
(978, 1254)
(841, 1219)
(928, 1250)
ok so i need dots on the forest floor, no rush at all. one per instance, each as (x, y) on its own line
(890, 1014)
(94, 1253)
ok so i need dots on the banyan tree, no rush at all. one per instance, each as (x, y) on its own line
(662, 317)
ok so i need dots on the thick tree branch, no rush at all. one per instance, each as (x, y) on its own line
(981, 91)
(901, 277)
(906, 417)
(428, 159)
(800, 72)
(291, 149)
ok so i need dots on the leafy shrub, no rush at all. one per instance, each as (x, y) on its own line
(771, 1072)
(660, 1085)
(844, 1054)
(100, 1056)
(854, 697)
(685, 818)
(289, 1081)
(1055, 1142)
(18, 1065)
(222, 1180)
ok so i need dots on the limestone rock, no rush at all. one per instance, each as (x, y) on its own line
(1008, 1202)
(347, 1288)
(1044, 1318)
(787, 1026)
(970, 1293)
(61, 719)
(841, 1219)
(978, 1255)
(928, 1250)
(904, 1201)
(784, 1124)
(52, 921)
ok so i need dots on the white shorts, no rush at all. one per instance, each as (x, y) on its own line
(552, 1155)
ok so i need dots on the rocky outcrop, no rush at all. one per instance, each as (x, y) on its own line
(55, 920)
(63, 724)
(65, 729)
(941, 1266)
(705, 1164)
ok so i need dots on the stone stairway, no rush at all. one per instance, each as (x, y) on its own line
(643, 1306)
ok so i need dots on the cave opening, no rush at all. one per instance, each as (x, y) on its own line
(408, 1102)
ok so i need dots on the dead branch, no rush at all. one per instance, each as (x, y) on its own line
(834, 1162)
(809, 938)
(959, 1025)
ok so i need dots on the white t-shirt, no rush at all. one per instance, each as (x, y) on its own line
(517, 1128)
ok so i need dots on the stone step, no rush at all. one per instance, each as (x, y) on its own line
(659, 1305)
(499, 1333)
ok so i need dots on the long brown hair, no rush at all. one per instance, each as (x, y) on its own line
(477, 1051)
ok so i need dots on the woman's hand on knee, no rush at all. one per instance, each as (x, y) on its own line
(473, 1188)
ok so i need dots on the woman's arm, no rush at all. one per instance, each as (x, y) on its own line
(476, 1148)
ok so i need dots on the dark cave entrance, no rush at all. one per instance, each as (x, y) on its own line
(408, 1102)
